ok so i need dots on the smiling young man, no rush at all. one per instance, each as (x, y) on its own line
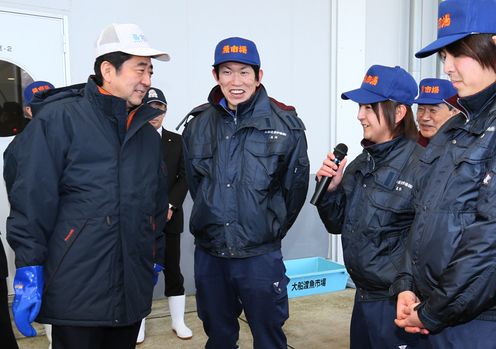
(433, 107)
(247, 170)
(86, 186)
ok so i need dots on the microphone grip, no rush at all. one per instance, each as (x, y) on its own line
(322, 187)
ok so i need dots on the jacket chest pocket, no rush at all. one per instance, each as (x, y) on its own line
(470, 165)
(263, 161)
(392, 209)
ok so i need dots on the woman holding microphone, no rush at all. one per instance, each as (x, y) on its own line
(371, 203)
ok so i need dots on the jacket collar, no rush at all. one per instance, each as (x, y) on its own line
(423, 141)
(255, 112)
(474, 107)
(377, 153)
(384, 161)
(116, 108)
(111, 106)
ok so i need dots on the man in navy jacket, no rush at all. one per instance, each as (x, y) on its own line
(86, 185)
(247, 170)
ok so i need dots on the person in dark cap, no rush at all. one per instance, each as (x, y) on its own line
(447, 285)
(435, 100)
(88, 201)
(371, 203)
(247, 171)
(30, 91)
(172, 151)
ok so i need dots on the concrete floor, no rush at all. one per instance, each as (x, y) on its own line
(315, 322)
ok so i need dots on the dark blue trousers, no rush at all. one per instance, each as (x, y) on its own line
(373, 327)
(225, 287)
(476, 334)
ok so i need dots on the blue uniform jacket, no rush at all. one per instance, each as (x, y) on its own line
(88, 206)
(452, 248)
(373, 209)
(248, 176)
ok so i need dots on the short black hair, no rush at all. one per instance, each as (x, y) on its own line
(114, 58)
(256, 68)
(479, 47)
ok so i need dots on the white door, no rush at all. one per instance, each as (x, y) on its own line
(32, 47)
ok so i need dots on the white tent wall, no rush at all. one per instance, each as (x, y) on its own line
(311, 52)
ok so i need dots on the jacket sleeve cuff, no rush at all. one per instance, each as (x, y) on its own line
(332, 197)
(432, 324)
(400, 285)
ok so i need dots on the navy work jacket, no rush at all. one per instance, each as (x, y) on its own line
(451, 261)
(373, 209)
(88, 206)
(248, 174)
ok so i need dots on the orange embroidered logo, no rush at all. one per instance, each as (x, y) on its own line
(444, 21)
(430, 89)
(40, 88)
(235, 49)
(371, 79)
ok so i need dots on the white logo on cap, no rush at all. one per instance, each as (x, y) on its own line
(152, 94)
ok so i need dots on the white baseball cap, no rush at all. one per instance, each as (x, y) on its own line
(127, 38)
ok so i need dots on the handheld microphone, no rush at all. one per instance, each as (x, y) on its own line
(339, 152)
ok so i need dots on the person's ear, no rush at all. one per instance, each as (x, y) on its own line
(260, 76)
(28, 112)
(107, 70)
(214, 74)
(399, 113)
(454, 111)
(494, 39)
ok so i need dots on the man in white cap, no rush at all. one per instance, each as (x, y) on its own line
(89, 202)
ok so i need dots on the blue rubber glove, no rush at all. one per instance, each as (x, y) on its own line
(157, 268)
(28, 287)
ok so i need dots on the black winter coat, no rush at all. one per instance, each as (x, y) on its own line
(373, 209)
(87, 207)
(172, 149)
(451, 263)
(248, 176)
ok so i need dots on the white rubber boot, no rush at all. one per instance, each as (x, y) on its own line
(141, 333)
(48, 331)
(176, 307)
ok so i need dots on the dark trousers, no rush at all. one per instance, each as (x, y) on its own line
(174, 280)
(476, 334)
(225, 287)
(78, 337)
(7, 339)
(373, 327)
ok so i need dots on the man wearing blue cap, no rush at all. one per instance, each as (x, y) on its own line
(434, 108)
(30, 91)
(36, 87)
(247, 170)
(447, 286)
